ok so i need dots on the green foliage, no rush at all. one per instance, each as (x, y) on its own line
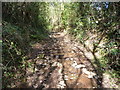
(23, 23)
(22, 14)
(14, 48)
(83, 18)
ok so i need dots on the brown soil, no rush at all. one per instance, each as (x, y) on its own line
(58, 63)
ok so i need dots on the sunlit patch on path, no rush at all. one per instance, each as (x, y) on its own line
(54, 64)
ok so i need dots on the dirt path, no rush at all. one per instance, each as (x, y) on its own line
(58, 63)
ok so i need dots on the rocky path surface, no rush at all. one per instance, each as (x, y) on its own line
(58, 63)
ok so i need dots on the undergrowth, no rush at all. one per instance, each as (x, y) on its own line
(16, 45)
